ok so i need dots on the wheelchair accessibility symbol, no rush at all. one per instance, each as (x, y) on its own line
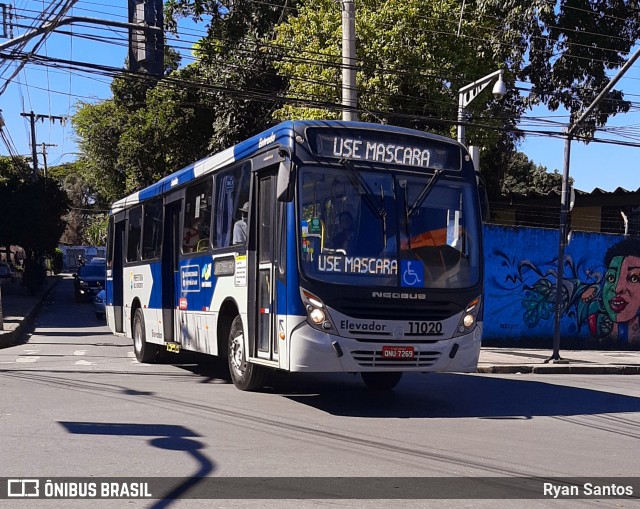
(412, 273)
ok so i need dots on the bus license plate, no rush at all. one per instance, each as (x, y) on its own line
(398, 352)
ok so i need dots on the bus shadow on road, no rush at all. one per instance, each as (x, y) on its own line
(456, 396)
(163, 436)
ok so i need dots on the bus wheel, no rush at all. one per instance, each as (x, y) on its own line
(381, 381)
(245, 376)
(145, 352)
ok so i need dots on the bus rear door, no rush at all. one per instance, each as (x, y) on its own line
(170, 266)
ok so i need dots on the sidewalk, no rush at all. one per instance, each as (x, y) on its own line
(19, 307)
(580, 362)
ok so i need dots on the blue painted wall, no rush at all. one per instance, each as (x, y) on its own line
(520, 288)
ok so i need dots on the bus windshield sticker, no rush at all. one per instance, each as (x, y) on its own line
(368, 146)
(412, 274)
(305, 228)
(315, 227)
(241, 271)
(357, 265)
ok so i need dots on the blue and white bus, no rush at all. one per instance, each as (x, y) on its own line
(316, 246)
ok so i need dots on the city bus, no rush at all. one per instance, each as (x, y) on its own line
(316, 246)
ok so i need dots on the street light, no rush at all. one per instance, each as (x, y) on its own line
(469, 93)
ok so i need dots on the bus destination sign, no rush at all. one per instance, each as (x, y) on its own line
(370, 146)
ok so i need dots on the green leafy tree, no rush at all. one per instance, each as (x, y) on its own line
(567, 49)
(95, 233)
(84, 201)
(524, 176)
(14, 167)
(411, 62)
(32, 212)
(413, 56)
(144, 132)
(235, 63)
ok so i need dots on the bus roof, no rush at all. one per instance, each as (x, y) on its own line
(282, 134)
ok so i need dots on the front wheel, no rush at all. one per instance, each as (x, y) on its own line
(145, 352)
(381, 381)
(245, 375)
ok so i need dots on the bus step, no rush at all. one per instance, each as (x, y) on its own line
(173, 347)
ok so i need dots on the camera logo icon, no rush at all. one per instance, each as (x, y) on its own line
(23, 488)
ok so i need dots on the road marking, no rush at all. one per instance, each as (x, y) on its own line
(30, 352)
(85, 363)
(80, 352)
(27, 359)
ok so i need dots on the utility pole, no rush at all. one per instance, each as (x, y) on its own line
(349, 99)
(33, 117)
(44, 156)
(565, 206)
(6, 24)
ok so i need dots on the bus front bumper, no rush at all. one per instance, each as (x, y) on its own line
(315, 351)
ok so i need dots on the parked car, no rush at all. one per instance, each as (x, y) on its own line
(99, 305)
(90, 279)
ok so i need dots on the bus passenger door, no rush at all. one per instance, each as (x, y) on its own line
(170, 268)
(265, 217)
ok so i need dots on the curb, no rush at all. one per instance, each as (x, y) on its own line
(562, 370)
(16, 336)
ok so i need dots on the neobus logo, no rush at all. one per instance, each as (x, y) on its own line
(395, 295)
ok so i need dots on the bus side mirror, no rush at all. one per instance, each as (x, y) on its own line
(284, 187)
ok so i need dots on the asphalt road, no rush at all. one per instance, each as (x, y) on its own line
(74, 402)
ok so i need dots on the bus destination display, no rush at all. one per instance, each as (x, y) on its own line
(362, 145)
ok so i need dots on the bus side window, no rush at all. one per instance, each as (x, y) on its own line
(197, 217)
(134, 234)
(152, 230)
(232, 194)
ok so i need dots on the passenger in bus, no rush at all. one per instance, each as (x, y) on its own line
(344, 238)
(240, 226)
(191, 237)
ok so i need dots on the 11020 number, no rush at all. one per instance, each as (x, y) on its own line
(426, 328)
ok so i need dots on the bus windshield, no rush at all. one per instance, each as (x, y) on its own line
(392, 228)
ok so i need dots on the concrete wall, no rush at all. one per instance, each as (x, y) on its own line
(520, 289)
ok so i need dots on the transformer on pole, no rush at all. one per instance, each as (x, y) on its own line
(146, 47)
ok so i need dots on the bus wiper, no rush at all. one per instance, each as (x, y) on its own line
(368, 193)
(424, 193)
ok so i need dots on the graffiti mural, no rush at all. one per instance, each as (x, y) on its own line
(600, 291)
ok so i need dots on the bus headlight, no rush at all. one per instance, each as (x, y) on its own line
(469, 318)
(317, 315)
(468, 321)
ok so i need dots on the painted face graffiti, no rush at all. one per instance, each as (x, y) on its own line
(621, 289)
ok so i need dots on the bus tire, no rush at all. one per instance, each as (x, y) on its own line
(384, 381)
(245, 375)
(145, 352)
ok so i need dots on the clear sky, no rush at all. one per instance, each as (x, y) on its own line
(55, 91)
